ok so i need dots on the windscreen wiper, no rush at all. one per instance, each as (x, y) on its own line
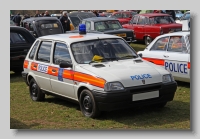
(128, 56)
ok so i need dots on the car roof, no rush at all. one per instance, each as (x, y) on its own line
(80, 13)
(184, 33)
(40, 18)
(153, 14)
(95, 19)
(67, 37)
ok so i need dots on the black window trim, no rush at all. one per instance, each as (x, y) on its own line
(36, 55)
(54, 47)
(159, 39)
(39, 42)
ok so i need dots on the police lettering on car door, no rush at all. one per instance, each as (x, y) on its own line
(176, 67)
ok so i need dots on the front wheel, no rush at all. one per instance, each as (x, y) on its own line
(148, 40)
(160, 105)
(88, 105)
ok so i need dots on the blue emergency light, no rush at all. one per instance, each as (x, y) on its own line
(82, 29)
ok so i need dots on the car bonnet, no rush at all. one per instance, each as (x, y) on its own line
(128, 72)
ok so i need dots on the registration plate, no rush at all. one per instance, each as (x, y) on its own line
(121, 35)
(147, 95)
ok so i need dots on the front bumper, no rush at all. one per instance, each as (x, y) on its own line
(123, 99)
(24, 76)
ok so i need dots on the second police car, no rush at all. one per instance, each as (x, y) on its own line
(101, 72)
(172, 52)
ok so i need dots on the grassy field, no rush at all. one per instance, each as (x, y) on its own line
(55, 113)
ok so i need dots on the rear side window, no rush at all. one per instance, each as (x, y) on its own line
(177, 44)
(32, 53)
(44, 52)
(141, 20)
(160, 45)
(16, 38)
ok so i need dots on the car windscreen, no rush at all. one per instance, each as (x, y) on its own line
(161, 20)
(102, 50)
(75, 20)
(107, 25)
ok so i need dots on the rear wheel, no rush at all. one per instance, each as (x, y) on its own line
(148, 40)
(35, 93)
(88, 104)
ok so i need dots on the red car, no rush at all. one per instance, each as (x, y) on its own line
(148, 26)
(123, 16)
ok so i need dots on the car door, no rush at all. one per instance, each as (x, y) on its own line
(140, 28)
(40, 66)
(61, 78)
(133, 26)
(155, 53)
(20, 42)
(177, 58)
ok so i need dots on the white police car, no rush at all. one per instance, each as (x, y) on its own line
(171, 51)
(101, 72)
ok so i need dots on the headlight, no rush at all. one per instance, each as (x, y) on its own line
(114, 86)
(167, 78)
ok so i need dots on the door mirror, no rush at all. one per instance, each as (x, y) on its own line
(140, 55)
(65, 65)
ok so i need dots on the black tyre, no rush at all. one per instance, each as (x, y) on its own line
(35, 93)
(148, 40)
(87, 104)
(18, 71)
(160, 105)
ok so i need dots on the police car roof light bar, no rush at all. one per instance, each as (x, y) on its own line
(82, 29)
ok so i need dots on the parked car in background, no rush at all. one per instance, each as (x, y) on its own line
(41, 26)
(105, 14)
(172, 52)
(179, 14)
(108, 26)
(148, 26)
(123, 16)
(76, 18)
(56, 15)
(186, 16)
(20, 42)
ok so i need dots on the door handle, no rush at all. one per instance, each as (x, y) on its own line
(53, 70)
(165, 56)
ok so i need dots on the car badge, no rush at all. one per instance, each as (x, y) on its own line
(143, 81)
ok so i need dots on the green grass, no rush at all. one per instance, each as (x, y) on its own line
(55, 113)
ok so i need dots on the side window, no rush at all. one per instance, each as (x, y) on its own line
(31, 27)
(32, 53)
(152, 21)
(177, 44)
(146, 21)
(61, 53)
(134, 20)
(141, 20)
(160, 44)
(118, 15)
(44, 52)
(88, 25)
(16, 37)
(126, 15)
(83, 22)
